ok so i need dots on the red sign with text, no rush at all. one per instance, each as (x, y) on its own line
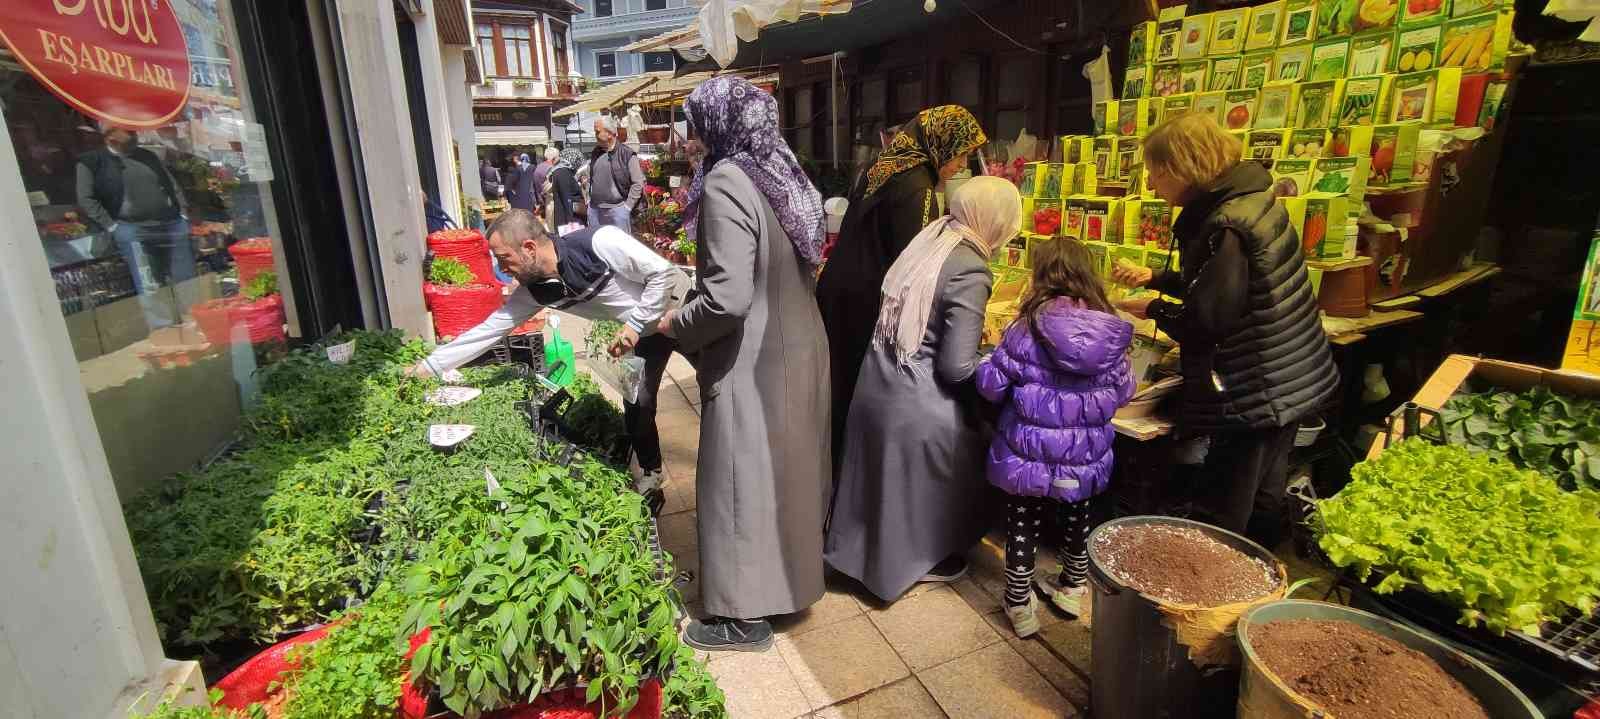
(123, 61)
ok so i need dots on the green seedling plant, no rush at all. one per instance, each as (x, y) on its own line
(1537, 429)
(450, 272)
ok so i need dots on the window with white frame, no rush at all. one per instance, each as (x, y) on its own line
(660, 61)
(519, 50)
(605, 64)
(486, 46)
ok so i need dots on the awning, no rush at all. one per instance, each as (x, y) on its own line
(609, 96)
(537, 136)
(679, 87)
(684, 37)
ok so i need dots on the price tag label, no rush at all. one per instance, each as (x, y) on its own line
(452, 396)
(341, 353)
(446, 436)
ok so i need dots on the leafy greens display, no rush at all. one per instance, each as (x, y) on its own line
(1536, 429)
(1507, 546)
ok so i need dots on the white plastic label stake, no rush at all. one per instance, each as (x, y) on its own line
(488, 479)
(341, 353)
(452, 396)
(452, 376)
(446, 436)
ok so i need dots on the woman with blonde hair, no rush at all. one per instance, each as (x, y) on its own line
(1255, 359)
(911, 485)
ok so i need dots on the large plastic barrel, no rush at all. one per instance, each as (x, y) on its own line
(1138, 667)
(1263, 696)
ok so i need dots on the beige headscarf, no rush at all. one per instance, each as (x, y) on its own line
(985, 213)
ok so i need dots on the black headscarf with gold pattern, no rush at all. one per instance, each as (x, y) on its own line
(939, 135)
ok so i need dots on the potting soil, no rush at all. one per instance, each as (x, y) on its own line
(1182, 565)
(1353, 673)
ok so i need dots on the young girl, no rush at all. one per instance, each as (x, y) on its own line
(1061, 370)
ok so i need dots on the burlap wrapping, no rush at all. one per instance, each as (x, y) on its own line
(1208, 632)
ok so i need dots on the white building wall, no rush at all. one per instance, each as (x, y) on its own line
(459, 108)
(431, 55)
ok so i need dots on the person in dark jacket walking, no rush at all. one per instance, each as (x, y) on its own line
(1061, 372)
(489, 180)
(127, 191)
(520, 190)
(890, 204)
(1255, 359)
(541, 178)
(566, 195)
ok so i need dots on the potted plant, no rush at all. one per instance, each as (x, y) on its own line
(456, 298)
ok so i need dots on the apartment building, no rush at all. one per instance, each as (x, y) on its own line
(604, 26)
(525, 51)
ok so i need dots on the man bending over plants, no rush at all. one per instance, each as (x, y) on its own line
(598, 273)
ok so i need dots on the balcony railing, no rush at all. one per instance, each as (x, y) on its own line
(519, 87)
(588, 27)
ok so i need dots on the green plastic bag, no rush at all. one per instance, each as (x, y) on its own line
(560, 364)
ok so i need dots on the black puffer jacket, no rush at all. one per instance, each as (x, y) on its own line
(1254, 353)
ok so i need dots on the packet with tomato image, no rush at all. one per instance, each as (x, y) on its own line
(1097, 220)
(1394, 153)
(1196, 34)
(1239, 109)
(1072, 220)
(1350, 140)
(1423, 12)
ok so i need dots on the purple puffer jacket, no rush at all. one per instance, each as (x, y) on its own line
(1055, 430)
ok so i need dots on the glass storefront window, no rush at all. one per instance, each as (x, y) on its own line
(162, 245)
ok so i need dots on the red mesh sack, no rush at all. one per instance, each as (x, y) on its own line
(467, 246)
(253, 256)
(262, 319)
(250, 683)
(458, 309)
(559, 704)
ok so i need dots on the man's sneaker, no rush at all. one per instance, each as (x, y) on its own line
(723, 634)
(1070, 600)
(952, 568)
(1024, 618)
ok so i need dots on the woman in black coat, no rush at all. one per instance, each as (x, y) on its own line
(565, 192)
(1255, 359)
(890, 204)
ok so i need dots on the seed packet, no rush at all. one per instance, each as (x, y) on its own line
(1165, 80)
(1417, 49)
(1264, 26)
(1290, 178)
(1072, 219)
(1254, 70)
(1273, 109)
(1424, 12)
(1104, 115)
(1329, 60)
(1105, 157)
(1128, 157)
(1427, 96)
(1134, 83)
(1291, 63)
(1050, 184)
(1476, 43)
(1342, 175)
(1030, 179)
(1305, 144)
(1196, 34)
(1370, 54)
(1362, 103)
(1225, 73)
(1493, 97)
(1140, 43)
(1097, 257)
(1378, 15)
(1167, 34)
(1129, 254)
(1350, 141)
(1265, 144)
(1099, 220)
(1299, 21)
(1227, 31)
(1314, 103)
(1210, 103)
(1192, 75)
(1176, 105)
(1463, 8)
(1239, 109)
(1394, 153)
(1335, 18)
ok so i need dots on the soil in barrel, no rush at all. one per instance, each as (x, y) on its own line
(1182, 565)
(1354, 673)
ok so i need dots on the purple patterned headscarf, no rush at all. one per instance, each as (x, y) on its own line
(738, 122)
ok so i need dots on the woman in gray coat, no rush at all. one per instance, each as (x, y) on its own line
(756, 339)
(911, 477)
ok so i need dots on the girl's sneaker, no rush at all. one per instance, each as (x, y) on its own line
(1070, 600)
(1024, 618)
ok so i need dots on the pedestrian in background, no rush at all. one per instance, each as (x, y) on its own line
(616, 178)
(523, 194)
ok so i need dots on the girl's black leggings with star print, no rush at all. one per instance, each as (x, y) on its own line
(1025, 517)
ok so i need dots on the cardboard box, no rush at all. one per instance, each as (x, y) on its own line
(1476, 43)
(1264, 26)
(1306, 144)
(1291, 63)
(1135, 81)
(1315, 103)
(1167, 34)
(1225, 73)
(1299, 21)
(1429, 96)
(1372, 53)
(1329, 59)
(1291, 178)
(1394, 151)
(1350, 141)
(1254, 69)
(1104, 115)
(1275, 109)
(1460, 371)
(1141, 43)
(1376, 15)
(1031, 175)
(1364, 100)
(1196, 35)
(1192, 75)
(1227, 31)
(1335, 18)
(1165, 80)
(1320, 219)
(1417, 49)
(1424, 12)
(1266, 144)
(1210, 103)
(1343, 176)
(1239, 109)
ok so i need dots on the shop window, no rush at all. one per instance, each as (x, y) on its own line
(908, 94)
(519, 51)
(660, 62)
(163, 247)
(966, 84)
(1015, 87)
(486, 46)
(602, 8)
(655, 4)
(605, 64)
(801, 120)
